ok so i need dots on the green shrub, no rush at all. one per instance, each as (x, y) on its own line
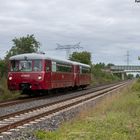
(136, 86)
(5, 94)
(101, 77)
(47, 135)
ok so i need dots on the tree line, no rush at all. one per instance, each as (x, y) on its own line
(29, 44)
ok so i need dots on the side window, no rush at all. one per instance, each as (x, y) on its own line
(48, 66)
(53, 66)
(64, 67)
(85, 70)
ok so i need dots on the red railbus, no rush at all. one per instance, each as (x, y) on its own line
(37, 72)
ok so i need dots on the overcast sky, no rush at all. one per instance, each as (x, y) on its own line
(106, 28)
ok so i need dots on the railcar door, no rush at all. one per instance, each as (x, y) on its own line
(48, 74)
(77, 75)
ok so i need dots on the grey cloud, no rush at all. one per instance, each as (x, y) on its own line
(105, 28)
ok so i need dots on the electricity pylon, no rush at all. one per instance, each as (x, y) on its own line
(68, 48)
(127, 55)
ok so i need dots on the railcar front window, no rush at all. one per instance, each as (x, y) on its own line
(25, 66)
(14, 66)
(37, 65)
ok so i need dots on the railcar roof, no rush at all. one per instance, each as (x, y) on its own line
(34, 56)
(81, 64)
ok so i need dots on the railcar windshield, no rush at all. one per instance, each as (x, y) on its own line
(25, 66)
(37, 65)
(14, 66)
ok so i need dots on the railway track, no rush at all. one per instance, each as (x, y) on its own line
(19, 101)
(14, 120)
(27, 99)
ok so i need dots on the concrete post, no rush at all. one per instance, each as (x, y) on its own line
(122, 76)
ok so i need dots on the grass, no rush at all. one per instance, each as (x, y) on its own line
(5, 94)
(115, 118)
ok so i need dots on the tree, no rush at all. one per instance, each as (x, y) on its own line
(100, 65)
(130, 76)
(21, 45)
(109, 65)
(2, 67)
(137, 76)
(82, 57)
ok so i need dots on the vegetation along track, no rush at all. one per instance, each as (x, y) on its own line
(14, 120)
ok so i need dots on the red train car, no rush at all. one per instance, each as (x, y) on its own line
(37, 72)
(82, 74)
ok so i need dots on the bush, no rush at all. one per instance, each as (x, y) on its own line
(136, 86)
(1, 91)
(5, 94)
(101, 77)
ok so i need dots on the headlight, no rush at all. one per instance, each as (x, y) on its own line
(10, 78)
(39, 77)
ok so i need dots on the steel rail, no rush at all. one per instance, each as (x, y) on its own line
(18, 101)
